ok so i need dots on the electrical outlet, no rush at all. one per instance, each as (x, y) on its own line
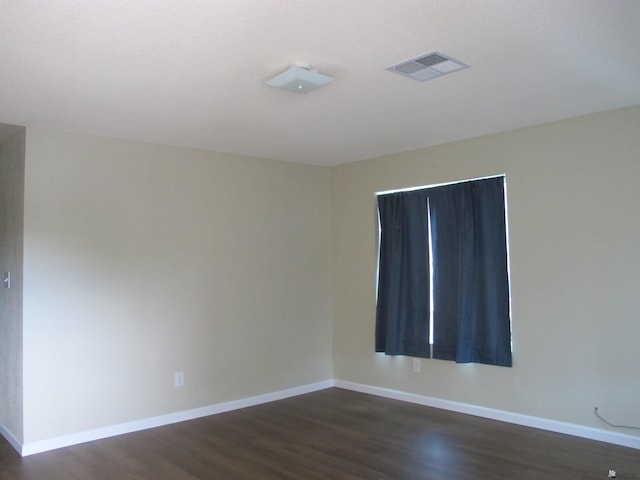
(178, 379)
(415, 367)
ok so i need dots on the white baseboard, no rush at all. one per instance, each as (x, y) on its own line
(31, 448)
(501, 415)
(11, 438)
(129, 427)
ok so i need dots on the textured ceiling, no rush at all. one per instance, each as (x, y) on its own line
(191, 73)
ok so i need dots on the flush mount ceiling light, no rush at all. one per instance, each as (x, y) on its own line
(299, 78)
(428, 66)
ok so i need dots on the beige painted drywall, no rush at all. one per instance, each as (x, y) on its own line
(11, 239)
(574, 220)
(142, 260)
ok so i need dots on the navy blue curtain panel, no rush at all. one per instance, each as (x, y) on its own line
(471, 317)
(402, 315)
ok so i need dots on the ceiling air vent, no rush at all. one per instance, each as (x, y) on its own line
(425, 67)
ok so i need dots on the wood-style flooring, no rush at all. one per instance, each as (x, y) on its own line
(330, 434)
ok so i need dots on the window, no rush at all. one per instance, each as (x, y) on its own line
(443, 256)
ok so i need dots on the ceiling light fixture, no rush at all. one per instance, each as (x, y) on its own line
(299, 78)
(428, 66)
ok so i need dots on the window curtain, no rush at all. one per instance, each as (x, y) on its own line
(471, 285)
(402, 315)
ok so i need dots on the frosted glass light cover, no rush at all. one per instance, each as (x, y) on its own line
(299, 79)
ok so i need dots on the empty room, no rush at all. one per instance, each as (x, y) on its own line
(313, 239)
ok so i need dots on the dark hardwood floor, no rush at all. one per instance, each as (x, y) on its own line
(330, 434)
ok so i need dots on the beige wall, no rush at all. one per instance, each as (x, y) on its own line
(574, 206)
(11, 238)
(254, 276)
(142, 260)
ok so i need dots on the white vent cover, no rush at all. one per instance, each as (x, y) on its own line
(430, 65)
